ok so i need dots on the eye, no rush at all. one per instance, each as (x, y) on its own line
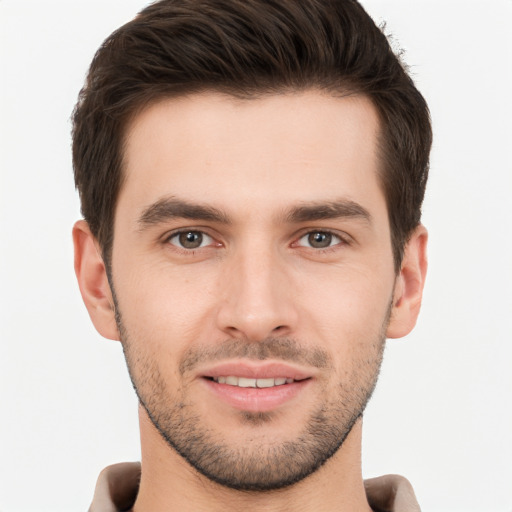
(319, 240)
(190, 240)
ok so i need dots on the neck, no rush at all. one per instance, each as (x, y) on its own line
(168, 482)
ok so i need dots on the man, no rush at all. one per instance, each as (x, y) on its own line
(251, 177)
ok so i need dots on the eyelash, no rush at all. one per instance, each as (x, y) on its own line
(189, 251)
(343, 240)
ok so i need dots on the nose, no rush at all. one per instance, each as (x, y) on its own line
(257, 297)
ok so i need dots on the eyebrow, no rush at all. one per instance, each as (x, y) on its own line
(171, 208)
(342, 208)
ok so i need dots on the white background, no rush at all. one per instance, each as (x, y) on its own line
(442, 414)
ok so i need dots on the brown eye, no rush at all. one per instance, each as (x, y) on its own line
(319, 240)
(190, 240)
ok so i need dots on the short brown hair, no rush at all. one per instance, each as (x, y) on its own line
(248, 48)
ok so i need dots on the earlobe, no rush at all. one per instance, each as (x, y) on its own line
(409, 285)
(93, 282)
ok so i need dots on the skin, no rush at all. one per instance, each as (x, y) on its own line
(258, 282)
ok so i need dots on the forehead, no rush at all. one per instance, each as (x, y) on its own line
(238, 153)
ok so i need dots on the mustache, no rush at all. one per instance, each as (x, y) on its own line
(284, 349)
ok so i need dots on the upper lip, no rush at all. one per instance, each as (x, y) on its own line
(257, 370)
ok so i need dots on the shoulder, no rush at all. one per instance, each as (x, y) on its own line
(391, 492)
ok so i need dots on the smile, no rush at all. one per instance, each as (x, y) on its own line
(256, 393)
(244, 382)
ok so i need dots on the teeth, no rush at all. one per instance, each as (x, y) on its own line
(268, 383)
(244, 382)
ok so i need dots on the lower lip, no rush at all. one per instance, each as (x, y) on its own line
(257, 399)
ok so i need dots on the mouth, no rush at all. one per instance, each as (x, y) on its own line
(245, 382)
(256, 387)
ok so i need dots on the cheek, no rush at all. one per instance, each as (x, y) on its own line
(347, 314)
(164, 306)
(347, 299)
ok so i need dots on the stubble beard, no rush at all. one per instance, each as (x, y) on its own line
(260, 464)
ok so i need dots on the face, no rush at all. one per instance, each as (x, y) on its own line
(253, 277)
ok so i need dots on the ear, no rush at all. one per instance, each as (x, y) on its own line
(409, 285)
(92, 279)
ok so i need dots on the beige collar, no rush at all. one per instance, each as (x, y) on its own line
(117, 488)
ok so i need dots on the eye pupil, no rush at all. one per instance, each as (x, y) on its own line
(320, 240)
(191, 239)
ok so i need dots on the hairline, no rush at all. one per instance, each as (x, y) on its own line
(145, 103)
